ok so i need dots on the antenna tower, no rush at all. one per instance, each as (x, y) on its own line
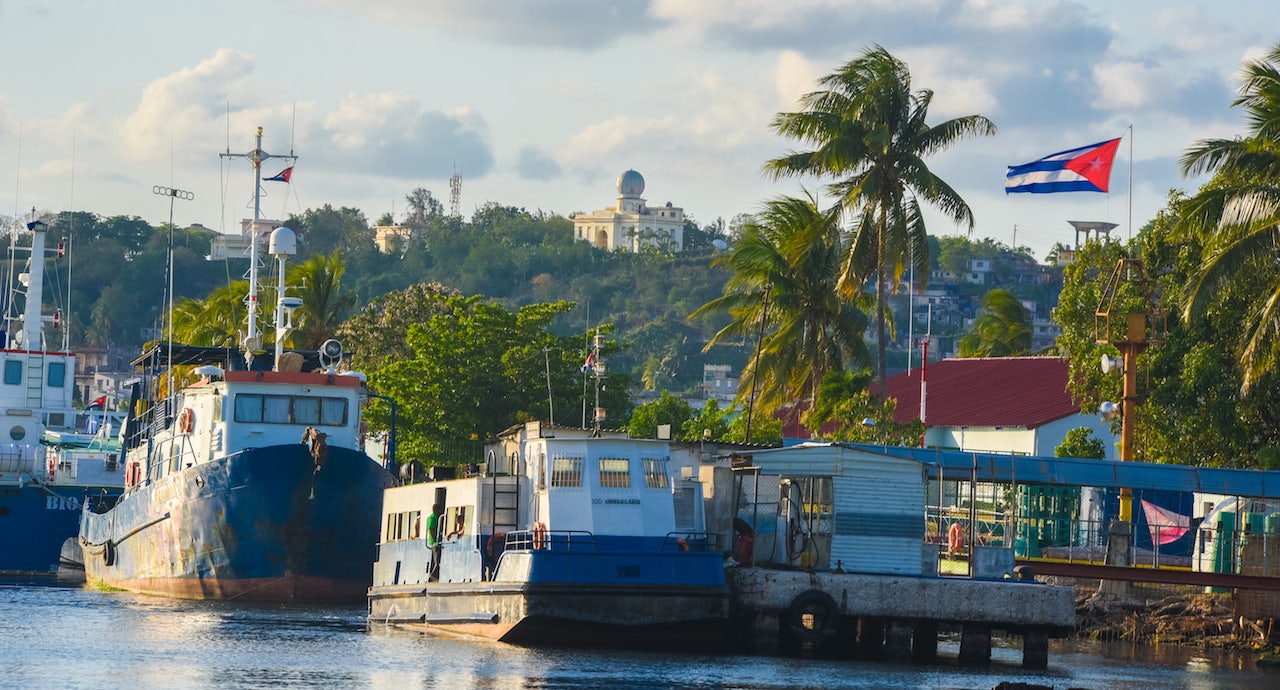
(455, 194)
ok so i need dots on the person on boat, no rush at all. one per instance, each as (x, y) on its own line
(433, 540)
(744, 544)
(459, 526)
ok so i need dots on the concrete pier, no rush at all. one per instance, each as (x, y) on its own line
(897, 617)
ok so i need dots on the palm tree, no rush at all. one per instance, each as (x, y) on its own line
(1237, 215)
(1002, 329)
(789, 258)
(324, 305)
(215, 321)
(869, 133)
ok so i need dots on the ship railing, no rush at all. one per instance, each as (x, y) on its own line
(697, 542)
(551, 540)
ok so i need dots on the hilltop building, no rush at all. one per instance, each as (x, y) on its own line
(386, 236)
(632, 224)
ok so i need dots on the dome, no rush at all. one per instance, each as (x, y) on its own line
(630, 183)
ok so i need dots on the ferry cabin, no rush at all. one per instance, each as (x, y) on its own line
(234, 410)
(559, 496)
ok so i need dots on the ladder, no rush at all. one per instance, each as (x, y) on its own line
(35, 380)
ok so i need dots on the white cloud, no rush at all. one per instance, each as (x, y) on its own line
(183, 104)
(794, 77)
(1126, 84)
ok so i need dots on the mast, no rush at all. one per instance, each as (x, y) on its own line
(31, 336)
(253, 336)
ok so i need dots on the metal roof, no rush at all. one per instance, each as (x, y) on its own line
(1028, 469)
(1026, 392)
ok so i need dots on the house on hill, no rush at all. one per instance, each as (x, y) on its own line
(997, 404)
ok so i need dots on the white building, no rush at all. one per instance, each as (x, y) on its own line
(632, 224)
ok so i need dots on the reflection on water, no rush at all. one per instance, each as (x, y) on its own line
(66, 637)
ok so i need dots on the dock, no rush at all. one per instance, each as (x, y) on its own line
(894, 617)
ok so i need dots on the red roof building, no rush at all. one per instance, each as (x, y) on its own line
(1000, 404)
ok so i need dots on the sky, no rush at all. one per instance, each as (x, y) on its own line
(541, 104)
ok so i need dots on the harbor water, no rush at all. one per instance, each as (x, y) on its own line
(63, 637)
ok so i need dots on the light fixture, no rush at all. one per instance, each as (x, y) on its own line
(868, 422)
(1110, 364)
(1109, 410)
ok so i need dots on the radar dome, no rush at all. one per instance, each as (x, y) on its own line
(630, 183)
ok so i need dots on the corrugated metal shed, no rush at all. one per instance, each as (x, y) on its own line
(879, 501)
(1025, 469)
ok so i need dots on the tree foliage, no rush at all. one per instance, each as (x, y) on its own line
(1080, 443)
(869, 133)
(1002, 328)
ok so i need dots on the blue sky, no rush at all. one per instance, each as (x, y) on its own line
(542, 103)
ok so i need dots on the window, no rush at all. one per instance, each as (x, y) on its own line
(566, 472)
(12, 372)
(615, 473)
(291, 409)
(57, 374)
(655, 473)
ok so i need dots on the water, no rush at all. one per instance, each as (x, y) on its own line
(62, 637)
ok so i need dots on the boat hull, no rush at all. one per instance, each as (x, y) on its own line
(259, 525)
(35, 521)
(662, 617)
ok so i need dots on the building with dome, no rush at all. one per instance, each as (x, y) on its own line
(632, 224)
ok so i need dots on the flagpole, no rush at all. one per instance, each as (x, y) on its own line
(1130, 182)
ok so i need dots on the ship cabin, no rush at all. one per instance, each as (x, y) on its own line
(553, 505)
(228, 409)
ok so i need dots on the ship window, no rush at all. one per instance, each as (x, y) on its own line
(655, 473)
(57, 374)
(291, 409)
(566, 471)
(615, 473)
(275, 409)
(12, 372)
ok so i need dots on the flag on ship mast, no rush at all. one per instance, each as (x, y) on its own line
(282, 176)
(1084, 169)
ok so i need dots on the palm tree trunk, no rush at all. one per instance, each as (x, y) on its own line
(881, 338)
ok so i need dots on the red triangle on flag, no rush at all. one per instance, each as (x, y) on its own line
(1094, 165)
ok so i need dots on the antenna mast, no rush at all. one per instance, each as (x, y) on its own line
(455, 194)
(253, 338)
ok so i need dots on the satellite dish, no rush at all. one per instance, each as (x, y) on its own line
(719, 244)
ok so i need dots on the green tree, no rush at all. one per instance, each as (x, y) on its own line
(709, 423)
(1081, 443)
(863, 418)
(325, 304)
(785, 269)
(1238, 217)
(323, 230)
(667, 409)
(379, 334)
(837, 387)
(869, 133)
(1001, 329)
(476, 369)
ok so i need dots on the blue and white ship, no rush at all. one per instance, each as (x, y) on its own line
(41, 487)
(566, 538)
(250, 483)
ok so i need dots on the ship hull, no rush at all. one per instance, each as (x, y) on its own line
(258, 525)
(34, 522)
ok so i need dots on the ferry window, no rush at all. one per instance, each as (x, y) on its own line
(655, 473)
(306, 411)
(566, 471)
(456, 519)
(615, 473)
(12, 372)
(248, 408)
(333, 411)
(415, 524)
(57, 374)
(291, 409)
(275, 409)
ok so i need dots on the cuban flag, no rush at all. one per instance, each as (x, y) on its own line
(590, 363)
(97, 404)
(282, 176)
(1086, 169)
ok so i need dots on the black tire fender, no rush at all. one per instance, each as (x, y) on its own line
(824, 613)
(109, 553)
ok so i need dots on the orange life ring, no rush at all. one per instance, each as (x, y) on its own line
(186, 420)
(539, 535)
(955, 537)
(682, 544)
